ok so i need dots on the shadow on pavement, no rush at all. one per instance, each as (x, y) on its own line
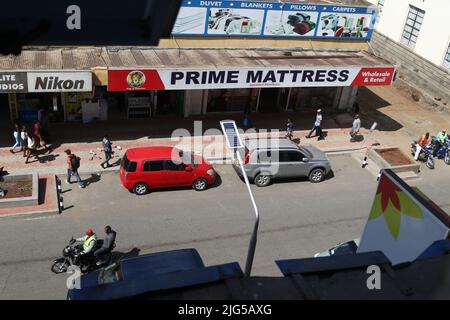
(92, 179)
(370, 103)
(358, 138)
(68, 207)
(42, 188)
(217, 182)
(48, 158)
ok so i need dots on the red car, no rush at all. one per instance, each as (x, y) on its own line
(164, 167)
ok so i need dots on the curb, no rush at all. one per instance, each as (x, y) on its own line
(29, 215)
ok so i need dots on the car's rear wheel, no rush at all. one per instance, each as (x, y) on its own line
(200, 184)
(262, 180)
(140, 189)
(316, 175)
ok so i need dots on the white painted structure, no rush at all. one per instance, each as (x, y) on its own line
(433, 38)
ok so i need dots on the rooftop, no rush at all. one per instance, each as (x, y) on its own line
(90, 58)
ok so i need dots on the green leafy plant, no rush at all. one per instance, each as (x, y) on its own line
(24, 188)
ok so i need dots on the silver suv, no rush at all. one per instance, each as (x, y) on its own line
(266, 159)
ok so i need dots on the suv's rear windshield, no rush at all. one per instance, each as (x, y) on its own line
(129, 166)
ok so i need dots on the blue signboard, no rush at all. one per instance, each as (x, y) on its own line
(271, 19)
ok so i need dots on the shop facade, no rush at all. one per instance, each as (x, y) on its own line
(50, 95)
(256, 89)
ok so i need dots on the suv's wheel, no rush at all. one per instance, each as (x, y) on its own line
(140, 189)
(316, 175)
(262, 180)
(200, 184)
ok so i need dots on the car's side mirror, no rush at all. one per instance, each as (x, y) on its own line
(305, 159)
(189, 169)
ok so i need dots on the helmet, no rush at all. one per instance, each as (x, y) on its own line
(89, 232)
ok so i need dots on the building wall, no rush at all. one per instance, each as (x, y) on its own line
(418, 72)
(434, 36)
(255, 43)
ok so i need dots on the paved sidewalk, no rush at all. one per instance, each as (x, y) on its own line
(400, 120)
(211, 147)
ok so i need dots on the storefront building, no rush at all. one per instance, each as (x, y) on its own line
(224, 56)
(267, 81)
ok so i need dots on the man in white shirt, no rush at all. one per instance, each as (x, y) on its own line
(355, 128)
(317, 126)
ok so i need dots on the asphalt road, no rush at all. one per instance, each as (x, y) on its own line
(298, 219)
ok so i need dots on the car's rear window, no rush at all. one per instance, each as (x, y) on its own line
(129, 166)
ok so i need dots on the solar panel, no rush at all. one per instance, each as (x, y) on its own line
(231, 134)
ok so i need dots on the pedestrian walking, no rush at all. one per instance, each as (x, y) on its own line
(355, 128)
(31, 148)
(17, 137)
(317, 126)
(40, 142)
(73, 164)
(24, 139)
(107, 149)
(290, 129)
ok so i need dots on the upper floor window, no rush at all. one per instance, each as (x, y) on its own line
(412, 26)
(447, 58)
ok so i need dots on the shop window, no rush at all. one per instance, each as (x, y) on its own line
(447, 58)
(412, 26)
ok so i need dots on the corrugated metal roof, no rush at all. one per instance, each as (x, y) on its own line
(89, 58)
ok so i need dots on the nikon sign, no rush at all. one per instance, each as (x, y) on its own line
(56, 81)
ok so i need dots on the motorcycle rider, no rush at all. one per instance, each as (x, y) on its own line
(108, 245)
(440, 140)
(89, 242)
(422, 142)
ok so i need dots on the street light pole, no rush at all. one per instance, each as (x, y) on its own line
(234, 143)
(253, 239)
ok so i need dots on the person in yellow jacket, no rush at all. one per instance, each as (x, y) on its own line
(89, 242)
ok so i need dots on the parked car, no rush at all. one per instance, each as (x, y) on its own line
(143, 169)
(348, 247)
(266, 159)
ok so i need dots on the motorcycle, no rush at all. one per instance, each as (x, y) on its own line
(447, 154)
(425, 155)
(71, 257)
(443, 152)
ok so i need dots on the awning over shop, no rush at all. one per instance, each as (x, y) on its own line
(174, 69)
